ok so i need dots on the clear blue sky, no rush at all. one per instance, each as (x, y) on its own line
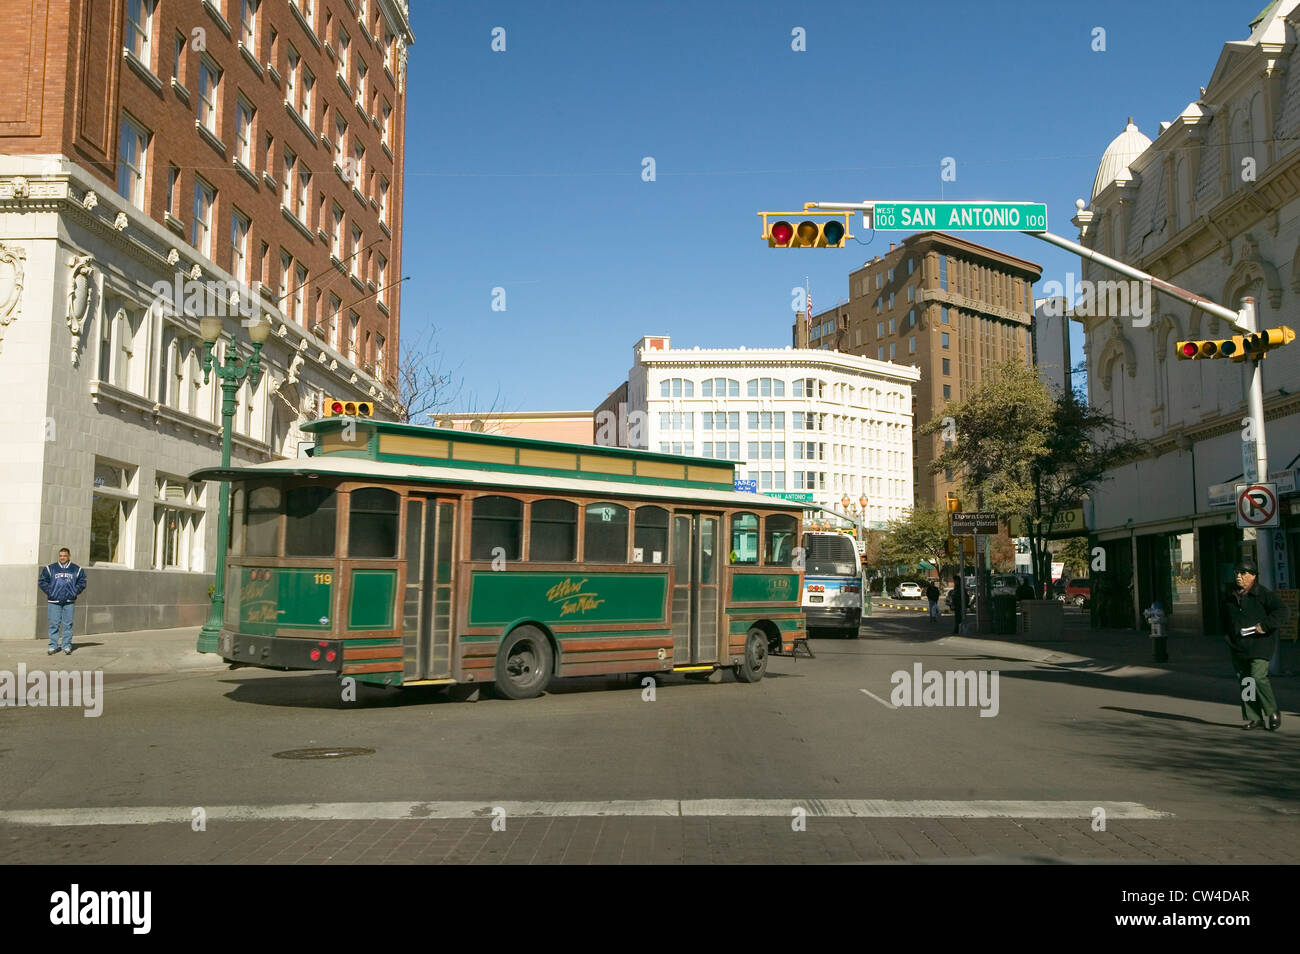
(523, 167)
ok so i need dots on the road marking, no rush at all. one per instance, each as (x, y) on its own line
(887, 705)
(645, 808)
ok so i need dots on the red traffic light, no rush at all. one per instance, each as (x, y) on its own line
(1189, 349)
(782, 232)
(336, 407)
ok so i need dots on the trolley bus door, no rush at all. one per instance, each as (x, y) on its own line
(427, 610)
(695, 589)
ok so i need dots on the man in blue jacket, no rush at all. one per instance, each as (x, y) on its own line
(62, 583)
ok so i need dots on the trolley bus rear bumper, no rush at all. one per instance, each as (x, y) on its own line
(281, 652)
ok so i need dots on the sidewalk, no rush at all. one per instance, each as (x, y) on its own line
(146, 651)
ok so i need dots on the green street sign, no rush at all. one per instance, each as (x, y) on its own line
(961, 216)
(800, 497)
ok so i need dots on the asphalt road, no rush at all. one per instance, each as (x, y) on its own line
(707, 772)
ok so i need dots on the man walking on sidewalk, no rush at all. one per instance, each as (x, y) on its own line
(957, 602)
(932, 594)
(62, 583)
(1252, 617)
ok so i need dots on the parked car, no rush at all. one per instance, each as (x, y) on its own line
(908, 591)
(1001, 583)
(1078, 592)
(1058, 590)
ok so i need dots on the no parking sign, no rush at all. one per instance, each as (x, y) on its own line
(1257, 505)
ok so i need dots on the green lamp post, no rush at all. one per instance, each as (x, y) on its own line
(232, 372)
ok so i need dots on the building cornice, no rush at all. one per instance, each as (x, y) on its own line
(794, 358)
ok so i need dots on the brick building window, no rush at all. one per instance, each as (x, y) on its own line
(173, 187)
(947, 366)
(239, 226)
(345, 45)
(248, 24)
(386, 119)
(333, 322)
(299, 280)
(353, 321)
(244, 132)
(286, 267)
(139, 30)
(132, 158)
(362, 71)
(209, 84)
(308, 84)
(380, 278)
(201, 230)
(354, 252)
(336, 233)
(383, 200)
(291, 78)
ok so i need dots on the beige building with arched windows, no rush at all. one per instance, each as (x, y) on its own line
(1212, 205)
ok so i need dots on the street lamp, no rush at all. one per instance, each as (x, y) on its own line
(232, 372)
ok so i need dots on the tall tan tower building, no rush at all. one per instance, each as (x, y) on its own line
(949, 307)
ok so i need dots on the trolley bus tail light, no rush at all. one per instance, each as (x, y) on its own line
(315, 655)
(329, 656)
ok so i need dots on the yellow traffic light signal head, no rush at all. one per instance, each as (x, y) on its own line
(807, 233)
(1261, 342)
(1211, 348)
(336, 407)
(954, 505)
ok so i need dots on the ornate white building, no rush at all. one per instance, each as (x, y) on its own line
(1212, 205)
(796, 421)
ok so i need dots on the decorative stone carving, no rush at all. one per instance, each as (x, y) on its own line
(1252, 267)
(173, 257)
(119, 221)
(90, 201)
(82, 296)
(401, 65)
(11, 286)
(294, 365)
(196, 273)
(1117, 347)
(21, 188)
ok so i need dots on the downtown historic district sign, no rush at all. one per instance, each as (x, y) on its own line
(973, 522)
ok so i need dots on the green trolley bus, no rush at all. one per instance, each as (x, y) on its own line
(401, 555)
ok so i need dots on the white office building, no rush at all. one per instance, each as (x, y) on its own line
(795, 421)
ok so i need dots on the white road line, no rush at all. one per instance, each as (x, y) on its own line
(887, 705)
(646, 808)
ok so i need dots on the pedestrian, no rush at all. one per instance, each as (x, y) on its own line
(62, 583)
(957, 601)
(932, 594)
(1024, 591)
(1252, 618)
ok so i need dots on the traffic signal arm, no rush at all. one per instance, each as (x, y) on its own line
(1238, 347)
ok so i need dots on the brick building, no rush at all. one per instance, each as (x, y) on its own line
(247, 156)
(951, 308)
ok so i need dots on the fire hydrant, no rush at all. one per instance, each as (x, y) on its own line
(1159, 643)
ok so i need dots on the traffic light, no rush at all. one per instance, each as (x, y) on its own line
(799, 230)
(337, 408)
(1261, 342)
(954, 505)
(1211, 348)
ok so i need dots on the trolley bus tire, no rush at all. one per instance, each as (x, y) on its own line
(524, 661)
(755, 662)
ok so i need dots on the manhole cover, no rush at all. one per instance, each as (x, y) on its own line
(322, 753)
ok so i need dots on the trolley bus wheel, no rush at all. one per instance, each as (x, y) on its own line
(523, 667)
(755, 663)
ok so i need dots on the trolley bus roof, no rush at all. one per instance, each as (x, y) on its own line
(361, 468)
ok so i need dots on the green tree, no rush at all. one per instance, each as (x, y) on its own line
(1028, 453)
(1076, 556)
(920, 534)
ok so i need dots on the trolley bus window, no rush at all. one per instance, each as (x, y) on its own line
(313, 520)
(744, 539)
(497, 522)
(237, 521)
(372, 524)
(830, 554)
(778, 540)
(553, 532)
(605, 537)
(708, 551)
(651, 535)
(263, 520)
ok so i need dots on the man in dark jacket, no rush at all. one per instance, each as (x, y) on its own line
(62, 583)
(957, 603)
(1252, 617)
(932, 596)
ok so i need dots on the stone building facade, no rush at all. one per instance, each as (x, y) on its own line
(1212, 205)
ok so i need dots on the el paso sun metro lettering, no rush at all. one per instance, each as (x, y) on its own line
(58, 688)
(951, 688)
(75, 906)
(571, 598)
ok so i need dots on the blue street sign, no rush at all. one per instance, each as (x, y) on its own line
(747, 486)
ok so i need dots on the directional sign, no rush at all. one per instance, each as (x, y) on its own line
(801, 497)
(960, 216)
(979, 521)
(1257, 505)
(747, 486)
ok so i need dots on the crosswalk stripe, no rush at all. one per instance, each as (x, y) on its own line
(634, 808)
